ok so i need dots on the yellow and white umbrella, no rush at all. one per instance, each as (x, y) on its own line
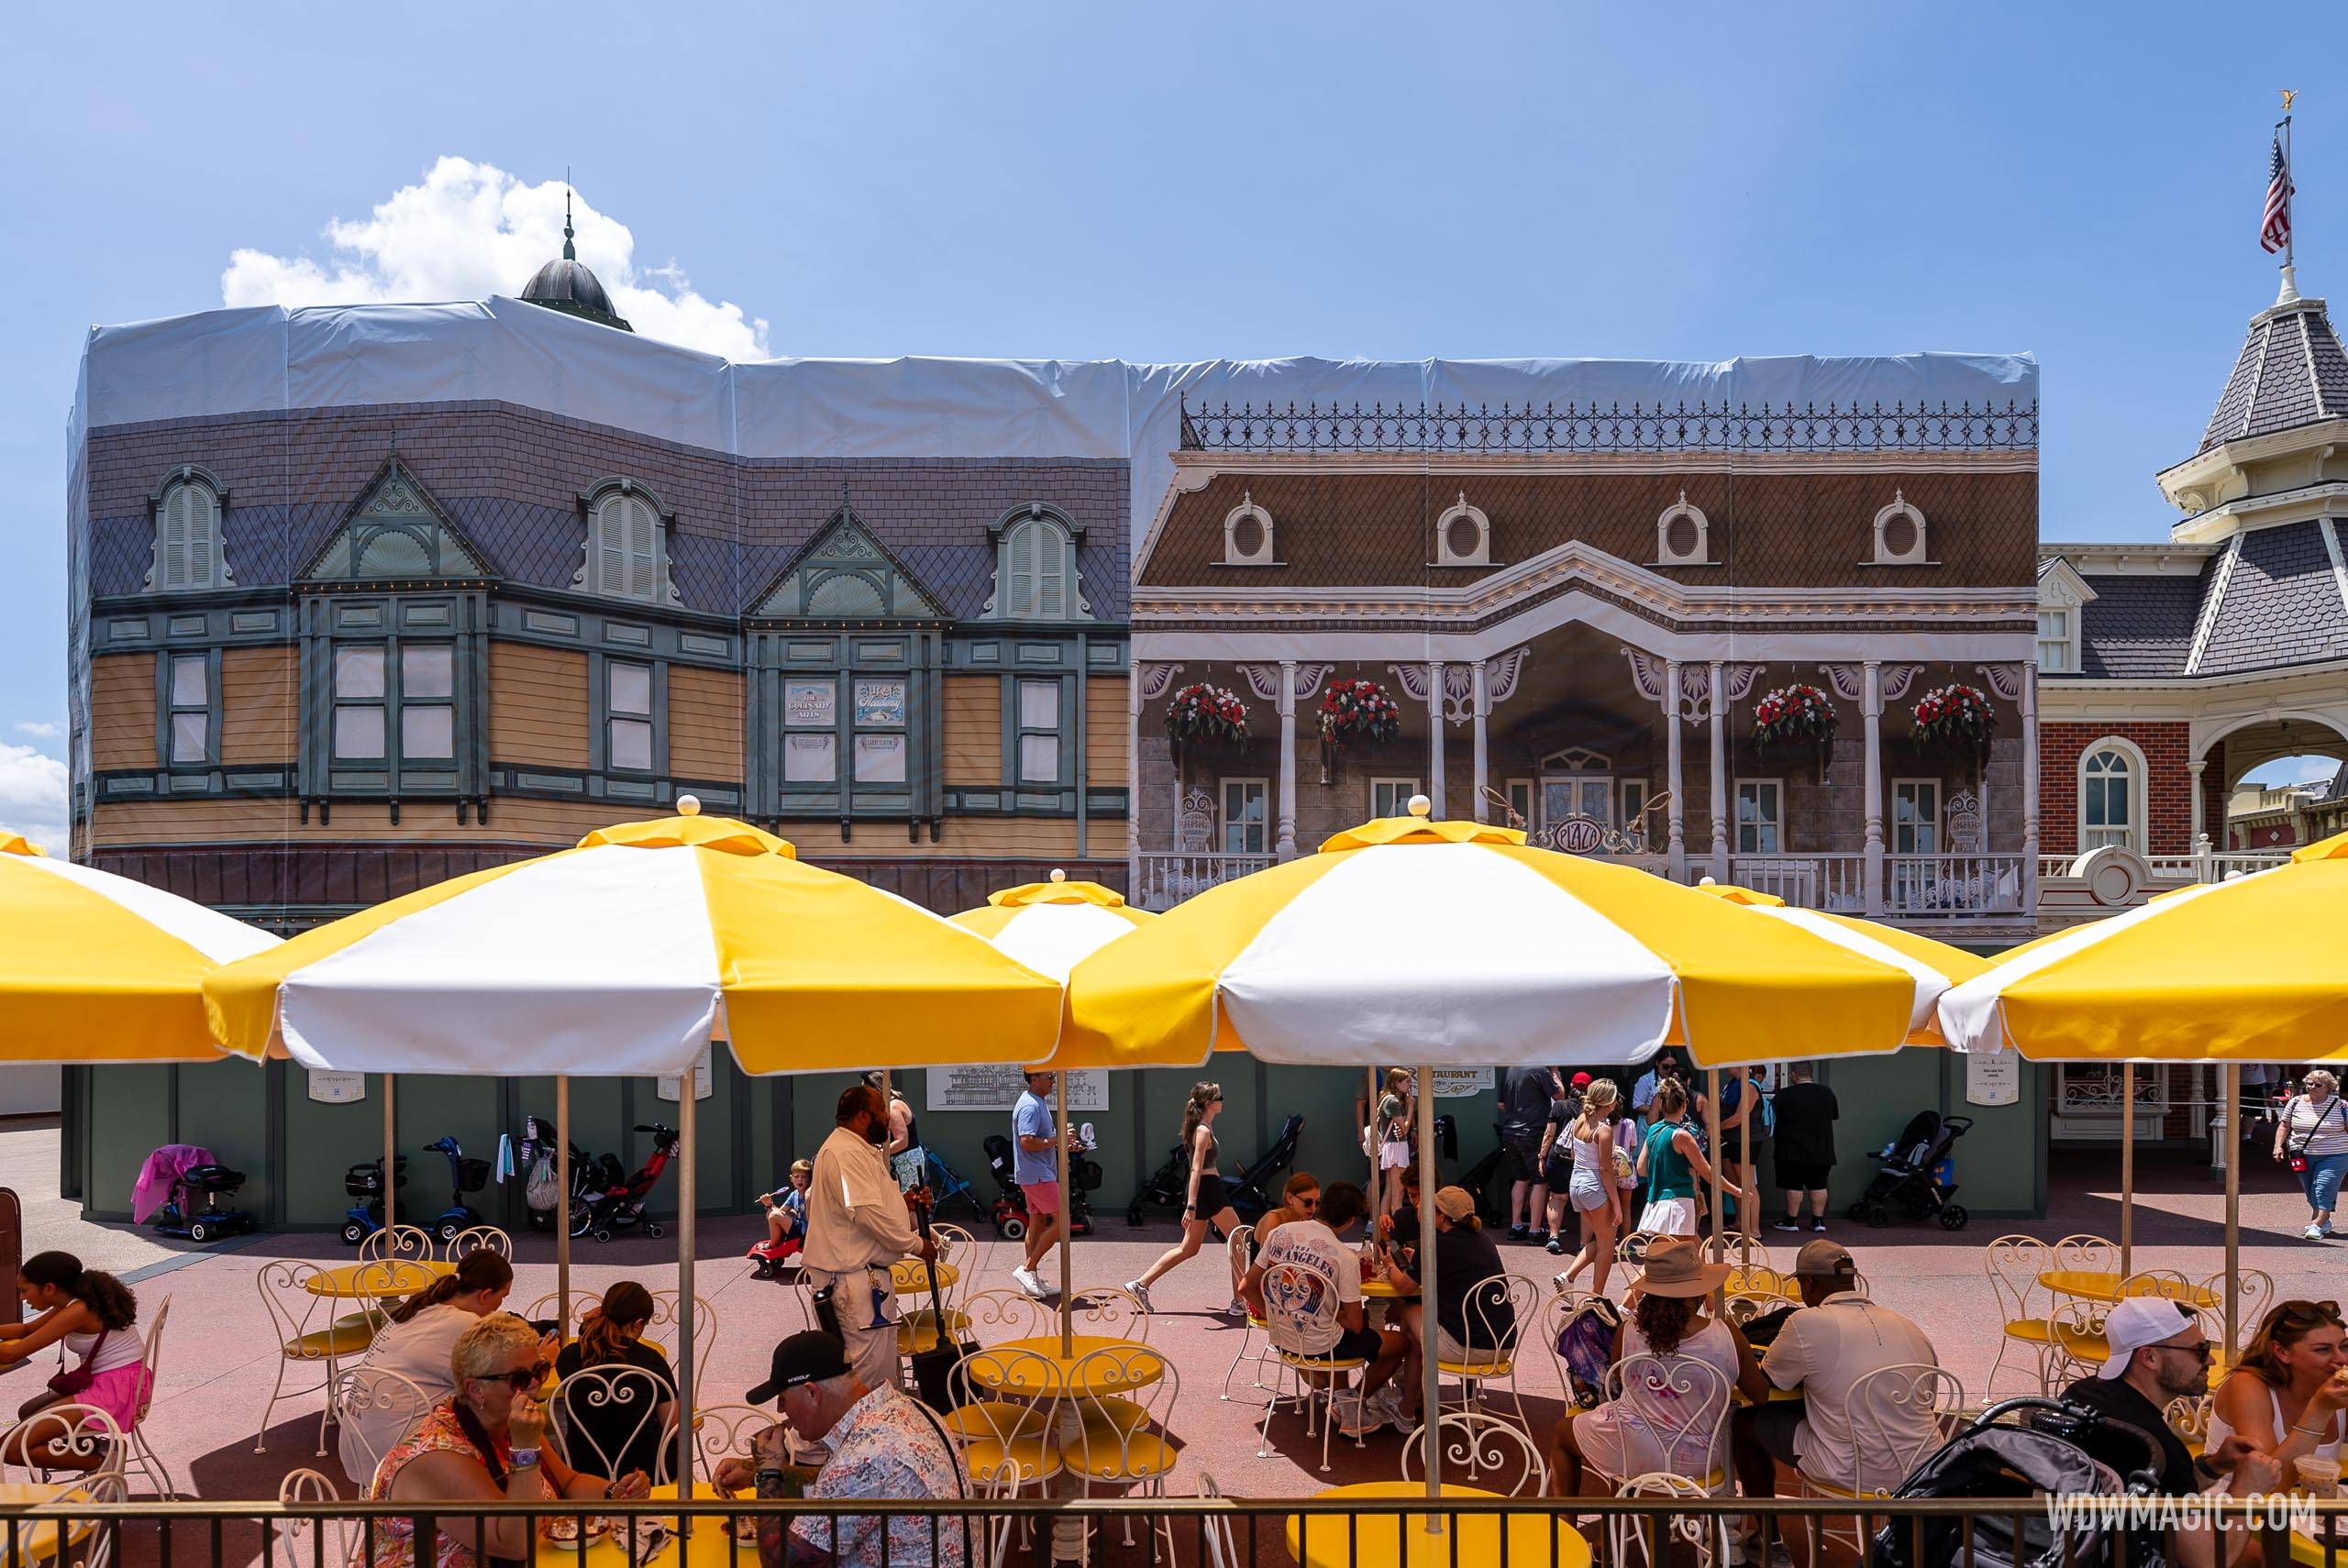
(1934, 966)
(96, 968)
(1051, 926)
(1454, 943)
(626, 956)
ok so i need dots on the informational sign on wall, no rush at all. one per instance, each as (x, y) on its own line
(338, 1089)
(1461, 1083)
(1993, 1079)
(999, 1088)
(666, 1087)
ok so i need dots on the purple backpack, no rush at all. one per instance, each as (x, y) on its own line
(1586, 1347)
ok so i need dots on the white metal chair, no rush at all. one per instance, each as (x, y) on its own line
(37, 1541)
(2081, 1253)
(2254, 1297)
(662, 1330)
(547, 1308)
(1214, 1530)
(2188, 1417)
(1301, 1313)
(916, 1321)
(724, 1431)
(374, 1409)
(1631, 1247)
(1900, 1417)
(1498, 1311)
(1479, 1443)
(1562, 1307)
(141, 1453)
(1110, 1312)
(1237, 1250)
(333, 1538)
(1006, 1420)
(308, 1335)
(1122, 1440)
(2075, 1340)
(480, 1236)
(1681, 1405)
(1696, 1540)
(634, 1398)
(2013, 1265)
(1741, 1309)
(397, 1243)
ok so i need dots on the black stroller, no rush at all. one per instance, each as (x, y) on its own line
(1010, 1214)
(2040, 1453)
(1250, 1191)
(1906, 1181)
(535, 1155)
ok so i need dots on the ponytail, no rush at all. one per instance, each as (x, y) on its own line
(109, 1299)
(1203, 1094)
(480, 1269)
(602, 1334)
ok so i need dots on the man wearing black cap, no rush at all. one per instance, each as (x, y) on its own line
(884, 1445)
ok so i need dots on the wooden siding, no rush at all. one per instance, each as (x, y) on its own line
(538, 705)
(963, 837)
(557, 825)
(260, 706)
(973, 739)
(704, 723)
(1106, 733)
(122, 711)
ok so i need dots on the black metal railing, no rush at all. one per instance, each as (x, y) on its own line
(1209, 1532)
(1573, 427)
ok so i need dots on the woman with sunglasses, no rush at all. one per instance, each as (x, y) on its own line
(1300, 1199)
(484, 1444)
(2287, 1397)
(1207, 1203)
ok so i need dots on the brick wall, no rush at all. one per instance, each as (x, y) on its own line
(2168, 790)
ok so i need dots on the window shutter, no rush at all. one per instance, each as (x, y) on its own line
(203, 519)
(1020, 591)
(643, 577)
(175, 525)
(1051, 573)
(611, 546)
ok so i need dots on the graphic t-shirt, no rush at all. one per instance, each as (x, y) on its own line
(1293, 1293)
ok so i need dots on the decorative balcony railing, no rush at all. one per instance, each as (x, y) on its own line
(1573, 427)
(1837, 883)
(1161, 880)
(1954, 886)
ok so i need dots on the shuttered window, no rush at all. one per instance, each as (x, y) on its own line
(187, 537)
(625, 550)
(1036, 562)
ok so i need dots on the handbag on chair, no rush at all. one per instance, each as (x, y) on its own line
(933, 1367)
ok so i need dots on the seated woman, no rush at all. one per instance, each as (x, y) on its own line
(483, 1443)
(91, 1318)
(415, 1343)
(621, 1427)
(1657, 1423)
(2287, 1397)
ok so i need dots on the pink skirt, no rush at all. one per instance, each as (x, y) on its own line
(119, 1392)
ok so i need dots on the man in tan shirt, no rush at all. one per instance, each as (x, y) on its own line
(857, 1227)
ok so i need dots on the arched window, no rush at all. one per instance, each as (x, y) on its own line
(1034, 575)
(2111, 796)
(1463, 536)
(627, 545)
(1683, 535)
(1900, 534)
(187, 533)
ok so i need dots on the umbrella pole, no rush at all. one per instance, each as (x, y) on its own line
(688, 1198)
(2234, 1211)
(391, 1159)
(2127, 1169)
(1368, 1120)
(1712, 1141)
(562, 1202)
(1068, 1307)
(1748, 1192)
(1430, 1374)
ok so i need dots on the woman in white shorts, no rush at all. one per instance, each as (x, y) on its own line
(1673, 1164)
(1594, 1192)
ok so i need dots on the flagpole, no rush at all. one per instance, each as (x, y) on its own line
(2290, 185)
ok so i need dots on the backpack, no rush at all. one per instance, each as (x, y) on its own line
(1764, 1119)
(1586, 1349)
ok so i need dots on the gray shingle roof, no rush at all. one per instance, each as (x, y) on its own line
(2291, 372)
(2138, 626)
(2282, 604)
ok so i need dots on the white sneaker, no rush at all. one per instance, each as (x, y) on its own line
(1387, 1404)
(1357, 1421)
(1140, 1293)
(1028, 1280)
(2313, 1232)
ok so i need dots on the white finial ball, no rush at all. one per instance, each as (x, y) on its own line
(1421, 806)
(1059, 874)
(688, 805)
(1706, 882)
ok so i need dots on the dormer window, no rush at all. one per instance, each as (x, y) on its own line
(628, 543)
(186, 512)
(1463, 536)
(1683, 535)
(1034, 569)
(1899, 535)
(1247, 534)
(2063, 596)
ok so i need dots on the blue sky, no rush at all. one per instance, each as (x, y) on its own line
(1681, 181)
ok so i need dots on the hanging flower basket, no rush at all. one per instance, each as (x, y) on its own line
(1795, 722)
(1956, 723)
(1200, 717)
(1356, 714)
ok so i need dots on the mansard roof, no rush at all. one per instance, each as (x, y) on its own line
(2291, 372)
(2273, 596)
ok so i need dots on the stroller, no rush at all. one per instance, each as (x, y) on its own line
(2021, 1459)
(1010, 1214)
(617, 1200)
(1912, 1178)
(537, 1157)
(1250, 1191)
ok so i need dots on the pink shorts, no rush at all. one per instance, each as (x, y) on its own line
(1043, 1197)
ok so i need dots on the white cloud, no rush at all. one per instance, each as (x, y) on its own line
(39, 729)
(32, 795)
(470, 230)
(2293, 770)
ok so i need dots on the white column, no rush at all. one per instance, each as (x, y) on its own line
(2193, 768)
(1871, 705)
(2029, 790)
(1483, 755)
(1434, 737)
(1676, 844)
(1285, 846)
(1719, 781)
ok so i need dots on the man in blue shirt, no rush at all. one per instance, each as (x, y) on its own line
(1036, 1142)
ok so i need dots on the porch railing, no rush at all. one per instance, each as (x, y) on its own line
(1161, 879)
(1838, 882)
(1953, 885)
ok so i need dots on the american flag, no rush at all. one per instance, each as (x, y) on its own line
(2274, 228)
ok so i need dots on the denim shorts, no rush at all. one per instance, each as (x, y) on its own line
(2320, 1181)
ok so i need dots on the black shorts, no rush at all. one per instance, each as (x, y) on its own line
(1732, 1149)
(1523, 1152)
(1803, 1175)
(1357, 1344)
(1212, 1196)
(1772, 1425)
(1558, 1174)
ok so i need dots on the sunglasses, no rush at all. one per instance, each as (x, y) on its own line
(521, 1379)
(2201, 1352)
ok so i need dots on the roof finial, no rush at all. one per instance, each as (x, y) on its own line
(570, 251)
(2290, 292)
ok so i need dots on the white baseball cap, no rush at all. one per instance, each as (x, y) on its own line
(2137, 1321)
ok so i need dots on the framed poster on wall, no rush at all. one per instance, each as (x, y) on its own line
(999, 1088)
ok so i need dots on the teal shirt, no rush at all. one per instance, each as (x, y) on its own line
(1669, 1175)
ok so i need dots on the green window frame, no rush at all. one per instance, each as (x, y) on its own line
(187, 708)
(1039, 720)
(393, 701)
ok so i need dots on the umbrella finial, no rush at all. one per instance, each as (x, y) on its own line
(1420, 806)
(1706, 882)
(1059, 874)
(688, 805)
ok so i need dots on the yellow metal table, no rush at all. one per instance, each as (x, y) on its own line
(2103, 1285)
(711, 1547)
(35, 1542)
(1529, 1539)
(373, 1281)
(1117, 1375)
